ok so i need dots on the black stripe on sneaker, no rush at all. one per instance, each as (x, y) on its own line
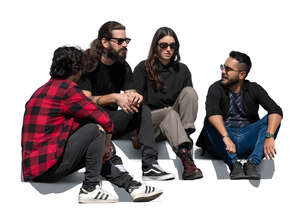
(106, 197)
(98, 194)
(102, 196)
(146, 191)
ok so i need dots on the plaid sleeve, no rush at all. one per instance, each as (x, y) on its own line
(78, 105)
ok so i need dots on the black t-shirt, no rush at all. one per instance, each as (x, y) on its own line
(174, 81)
(107, 79)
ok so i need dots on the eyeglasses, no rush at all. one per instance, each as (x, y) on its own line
(121, 40)
(227, 68)
(165, 45)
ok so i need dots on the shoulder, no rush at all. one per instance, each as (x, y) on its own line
(182, 68)
(140, 67)
(182, 65)
(252, 86)
(216, 85)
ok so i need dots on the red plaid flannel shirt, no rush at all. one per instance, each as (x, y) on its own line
(51, 114)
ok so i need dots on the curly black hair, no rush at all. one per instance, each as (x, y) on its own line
(67, 61)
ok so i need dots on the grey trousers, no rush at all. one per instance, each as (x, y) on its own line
(177, 122)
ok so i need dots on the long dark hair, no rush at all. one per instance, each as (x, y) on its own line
(153, 65)
(95, 51)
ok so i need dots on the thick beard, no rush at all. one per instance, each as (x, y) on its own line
(115, 55)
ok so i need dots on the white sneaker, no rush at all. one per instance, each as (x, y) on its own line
(96, 196)
(144, 193)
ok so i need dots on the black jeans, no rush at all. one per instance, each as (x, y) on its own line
(85, 148)
(142, 122)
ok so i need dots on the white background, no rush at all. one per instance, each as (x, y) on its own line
(268, 31)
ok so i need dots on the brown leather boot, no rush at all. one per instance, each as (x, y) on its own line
(190, 172)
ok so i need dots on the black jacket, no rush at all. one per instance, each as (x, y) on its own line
(217, 101)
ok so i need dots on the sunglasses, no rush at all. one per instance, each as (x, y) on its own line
(121, 40)
(165, 45)
(227, 68)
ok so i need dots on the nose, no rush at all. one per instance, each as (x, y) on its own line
(124, 44)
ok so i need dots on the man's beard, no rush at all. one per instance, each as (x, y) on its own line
(115, 55)
(230, 82)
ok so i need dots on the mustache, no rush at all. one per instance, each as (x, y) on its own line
(224, 77)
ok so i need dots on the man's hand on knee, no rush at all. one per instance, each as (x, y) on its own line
(269, 148)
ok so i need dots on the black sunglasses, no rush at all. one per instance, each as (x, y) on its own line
(165, 45)
(121, 40)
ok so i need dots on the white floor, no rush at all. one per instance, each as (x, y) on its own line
(215, 196)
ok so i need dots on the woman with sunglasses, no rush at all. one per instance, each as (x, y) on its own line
(166, 85)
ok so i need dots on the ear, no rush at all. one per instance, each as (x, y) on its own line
(242, 75)
(105, 43)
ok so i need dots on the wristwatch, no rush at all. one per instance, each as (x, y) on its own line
(269, 135)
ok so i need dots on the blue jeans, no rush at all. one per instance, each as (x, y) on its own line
(249, 141)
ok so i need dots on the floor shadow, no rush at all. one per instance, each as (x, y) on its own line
(179, 167)
(127, 148)
(61, 186)
(266, 168)
(122, 194)
(221, 169)
(198, 154)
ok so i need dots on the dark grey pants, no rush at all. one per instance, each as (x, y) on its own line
(85, 148)
(142, 122)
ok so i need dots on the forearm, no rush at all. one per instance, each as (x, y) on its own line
(129, 90)
(274, 121)
(102, 100)
(218, 123)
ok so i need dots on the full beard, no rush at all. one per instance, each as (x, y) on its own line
(117, 56)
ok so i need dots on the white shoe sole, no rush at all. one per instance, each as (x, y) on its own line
(145, 197)
(92, 201)
(159, 178)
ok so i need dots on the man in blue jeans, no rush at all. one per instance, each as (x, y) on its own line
(232, 129)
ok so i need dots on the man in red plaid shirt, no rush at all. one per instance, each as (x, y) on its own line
(64, 131)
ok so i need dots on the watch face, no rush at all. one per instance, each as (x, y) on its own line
(268, 135)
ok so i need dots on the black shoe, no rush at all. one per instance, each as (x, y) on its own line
(237, 171)
(251, 171)
(155, 172)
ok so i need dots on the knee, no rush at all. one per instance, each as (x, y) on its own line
(145, 109)
(190, 93)
(172, 115)
(93, 129)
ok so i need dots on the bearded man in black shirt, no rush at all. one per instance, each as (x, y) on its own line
(232, 128)
(108, 75)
